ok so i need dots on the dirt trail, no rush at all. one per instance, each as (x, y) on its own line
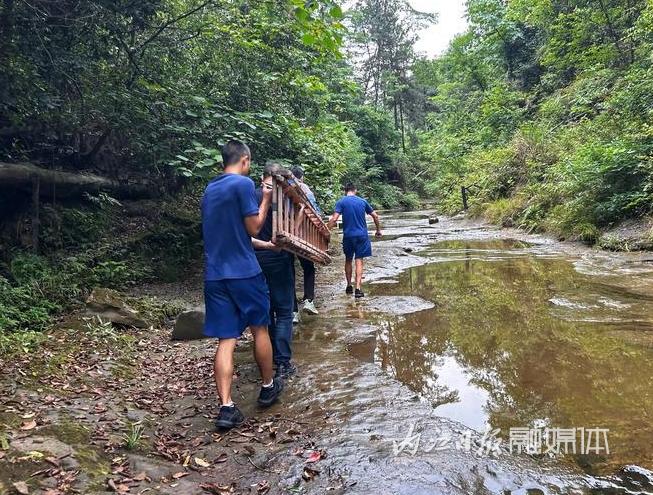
(70, 410)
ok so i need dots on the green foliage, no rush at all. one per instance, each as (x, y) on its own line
(34, 289)
(570, 151)
(133, 437)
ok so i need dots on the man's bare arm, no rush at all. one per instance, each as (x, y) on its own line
(259, 244)
(377, 222)
(254, 223)
(333, 220)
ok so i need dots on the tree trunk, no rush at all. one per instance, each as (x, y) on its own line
(36, 221)
(611, 29)
(6, 27)
(21, 176)
(401, 120)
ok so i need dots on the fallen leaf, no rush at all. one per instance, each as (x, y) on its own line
(216, 489)
(21, 487)
(140, 476)
(263, 487)
(201, 462)
(120, 488)
(221, 458)
(28, 425)
(180, 474)
(314, 456)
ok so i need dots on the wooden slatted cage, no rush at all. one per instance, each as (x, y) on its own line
(296, 226)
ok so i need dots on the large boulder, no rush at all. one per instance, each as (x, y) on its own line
(110, 305)
(189, 325)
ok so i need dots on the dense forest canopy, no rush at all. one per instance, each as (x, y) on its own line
(541, 110)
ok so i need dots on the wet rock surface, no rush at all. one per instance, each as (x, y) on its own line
(397, 305)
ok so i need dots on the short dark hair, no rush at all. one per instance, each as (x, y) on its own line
(233, 151)
(350, 187)
(271, 168)
(298, 171)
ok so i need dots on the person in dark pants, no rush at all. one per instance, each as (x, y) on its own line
(308, 267)
(277, 266)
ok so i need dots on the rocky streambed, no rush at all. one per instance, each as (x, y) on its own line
(467, 332)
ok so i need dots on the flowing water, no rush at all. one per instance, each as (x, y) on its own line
(469, 328)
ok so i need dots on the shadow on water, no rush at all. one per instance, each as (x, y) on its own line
(520, 338)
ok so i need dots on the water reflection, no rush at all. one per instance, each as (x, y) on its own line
(520, 337)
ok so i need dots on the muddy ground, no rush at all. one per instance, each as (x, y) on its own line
(381, 384)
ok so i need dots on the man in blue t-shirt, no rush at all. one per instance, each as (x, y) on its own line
(355, 241)
(236, 295)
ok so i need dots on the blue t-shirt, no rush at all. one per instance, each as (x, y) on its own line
(228, 250)
(353, 210)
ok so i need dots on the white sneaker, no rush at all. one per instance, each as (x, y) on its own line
(309, 307)
(296, 318)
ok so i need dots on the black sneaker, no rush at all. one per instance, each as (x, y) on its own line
(359, 293)
(349, 290)
(269, 396)
(229, 417)
(286, 370)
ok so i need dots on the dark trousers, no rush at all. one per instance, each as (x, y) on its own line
(308, 267)
(278, 271)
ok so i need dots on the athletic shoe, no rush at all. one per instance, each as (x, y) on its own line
(296, 318)
(359, 293)
(349, 290)
(269, 395)
(309, 307)
(229, 417)
(286, 370)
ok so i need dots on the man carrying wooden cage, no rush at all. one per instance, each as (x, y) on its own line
(308, 267)
(278, 268)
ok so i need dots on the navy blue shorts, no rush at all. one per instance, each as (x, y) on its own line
(357, 247)
(234, 304)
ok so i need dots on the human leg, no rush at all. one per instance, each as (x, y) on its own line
(359, 272)
(223, 368)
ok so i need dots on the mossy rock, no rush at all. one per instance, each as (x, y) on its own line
(110, 305)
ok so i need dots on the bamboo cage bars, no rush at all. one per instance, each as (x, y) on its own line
(296, 226)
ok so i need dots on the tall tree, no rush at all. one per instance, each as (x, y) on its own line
(382, 44)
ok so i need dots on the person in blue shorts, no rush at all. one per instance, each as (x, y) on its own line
(355, 241)
(236, 295)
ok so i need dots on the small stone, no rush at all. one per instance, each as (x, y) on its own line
(189, 325)
(433, 219)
